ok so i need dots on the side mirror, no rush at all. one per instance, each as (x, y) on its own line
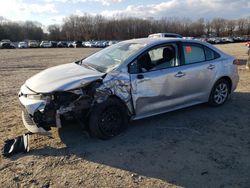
(133, 68)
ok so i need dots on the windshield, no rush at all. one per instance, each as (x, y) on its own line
(111, 57)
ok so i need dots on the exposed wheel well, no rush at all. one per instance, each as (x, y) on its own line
(228, 79)
(121, 101)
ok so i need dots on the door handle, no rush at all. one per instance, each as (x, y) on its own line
(143, 80)
(180, 74)
(211, 67)
(140, 76)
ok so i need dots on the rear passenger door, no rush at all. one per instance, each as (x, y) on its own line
(199, 69)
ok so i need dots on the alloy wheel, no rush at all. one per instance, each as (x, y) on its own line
(221, 93)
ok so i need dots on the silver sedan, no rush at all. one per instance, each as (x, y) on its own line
(129, 80)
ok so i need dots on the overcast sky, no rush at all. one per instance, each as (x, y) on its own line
(53, 11)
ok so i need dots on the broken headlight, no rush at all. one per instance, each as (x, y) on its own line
(78, 91)
(46, 98)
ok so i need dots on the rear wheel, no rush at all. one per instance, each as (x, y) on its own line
(219, 93)
(108, 119)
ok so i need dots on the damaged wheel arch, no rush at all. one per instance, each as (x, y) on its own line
(108, 118)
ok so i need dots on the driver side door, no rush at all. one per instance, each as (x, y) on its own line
(158, 89)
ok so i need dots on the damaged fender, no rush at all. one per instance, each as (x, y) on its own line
(118, 84)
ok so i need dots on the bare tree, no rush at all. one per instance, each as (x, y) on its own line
(54, 32)
(218, 25)
(88, 27)
(230, 27)
(240, 26)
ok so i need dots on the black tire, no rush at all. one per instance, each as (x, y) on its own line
(108, 119)
(219, 93)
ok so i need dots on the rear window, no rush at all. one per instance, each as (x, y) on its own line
(210, 54)
(193, 53)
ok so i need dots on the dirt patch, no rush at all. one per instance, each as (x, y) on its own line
(198, 146)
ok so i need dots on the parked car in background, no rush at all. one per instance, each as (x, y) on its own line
(53, 44)
(169, 35)
(229, 39)
(203, 39)
(99, 44)
(133, 79)
(45, 44)
(112, 42)
(70, 44)
(33, 44)
(88, 44)
(23, 44)
(77, 44)
(226, 40)
(214, 40)
(189, 38)
(62, 44)
(6, 44)
(105, 44)
(238, 39)
(83, 44)
(5, 40)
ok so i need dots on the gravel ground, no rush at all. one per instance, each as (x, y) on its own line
(198, 146)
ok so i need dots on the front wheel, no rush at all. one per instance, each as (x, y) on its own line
(108, 119)
(219, 93)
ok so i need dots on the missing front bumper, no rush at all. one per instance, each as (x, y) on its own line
(31, 125)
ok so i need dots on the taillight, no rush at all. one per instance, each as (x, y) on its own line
(236, 62)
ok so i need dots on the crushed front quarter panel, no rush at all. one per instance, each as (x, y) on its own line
(118, 84)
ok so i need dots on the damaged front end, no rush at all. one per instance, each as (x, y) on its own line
(43, 111)
(69, 92)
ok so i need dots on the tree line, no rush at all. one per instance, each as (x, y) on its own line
(88, 27)
(18, 31)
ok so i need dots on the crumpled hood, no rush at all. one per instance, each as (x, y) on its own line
(62, 78)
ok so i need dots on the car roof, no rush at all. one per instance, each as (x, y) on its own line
(160, 40)
(166, 35)
(151, 42)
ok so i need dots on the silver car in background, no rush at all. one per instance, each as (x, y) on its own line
(33, 44)
(133, 79)
(23, 44)
(46, 44)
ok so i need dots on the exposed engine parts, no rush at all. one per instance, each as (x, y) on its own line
(77, 103)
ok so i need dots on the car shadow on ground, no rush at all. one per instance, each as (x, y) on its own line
(192, 147)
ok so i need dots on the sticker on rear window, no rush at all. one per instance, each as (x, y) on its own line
(188, 49)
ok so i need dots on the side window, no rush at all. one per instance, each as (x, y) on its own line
(193, 53)
(161, 57)
(210, 54)
(156, 54)
(134, 68)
